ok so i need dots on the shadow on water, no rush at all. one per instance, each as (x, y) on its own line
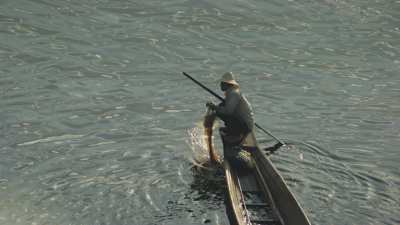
(208, 178)
(204, 198)
(210, 185)
(203, 201)
(208, 182)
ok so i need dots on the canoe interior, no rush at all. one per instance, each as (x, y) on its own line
(248, 201)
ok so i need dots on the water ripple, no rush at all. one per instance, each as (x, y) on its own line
(94, 112)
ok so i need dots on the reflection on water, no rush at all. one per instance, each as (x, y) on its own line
(209, 183)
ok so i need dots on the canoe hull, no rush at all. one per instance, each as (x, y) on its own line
(260, 195)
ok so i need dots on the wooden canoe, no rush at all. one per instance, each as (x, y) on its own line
(260, 196)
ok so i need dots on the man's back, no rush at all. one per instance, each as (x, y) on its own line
(238, 107)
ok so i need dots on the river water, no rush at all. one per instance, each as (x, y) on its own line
(98, 126)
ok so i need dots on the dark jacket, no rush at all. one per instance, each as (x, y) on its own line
(236, 112)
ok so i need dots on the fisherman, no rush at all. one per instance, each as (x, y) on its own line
(237, 114)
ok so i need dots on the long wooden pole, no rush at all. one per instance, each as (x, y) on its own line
(222, 99)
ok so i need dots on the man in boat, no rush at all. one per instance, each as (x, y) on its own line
(237, 114)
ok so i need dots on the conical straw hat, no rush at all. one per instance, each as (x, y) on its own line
(229, 78)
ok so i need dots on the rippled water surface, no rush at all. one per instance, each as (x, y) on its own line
(95, 118)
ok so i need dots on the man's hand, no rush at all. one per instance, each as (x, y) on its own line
(211, 105)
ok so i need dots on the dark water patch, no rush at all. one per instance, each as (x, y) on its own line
(8, 19)
(207, 188)
(78, 123)
(74, 41)
(20, 103)
(113, 136)
(140, 107)
(45, 3)
(29, 58)
(133, 10)
(374, 122)
(40, 30)
(16, 93)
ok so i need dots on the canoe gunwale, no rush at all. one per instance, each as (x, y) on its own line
(234, 200)
(282, 197)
